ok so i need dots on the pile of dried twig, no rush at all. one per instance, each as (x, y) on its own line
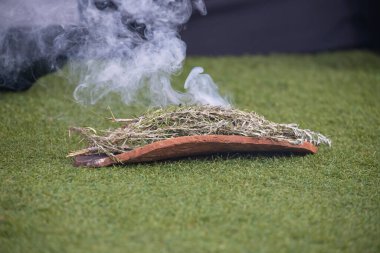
(172, 122)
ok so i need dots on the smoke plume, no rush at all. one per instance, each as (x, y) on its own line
(127, 47)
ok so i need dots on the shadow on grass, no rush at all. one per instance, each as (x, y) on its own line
(200, 158)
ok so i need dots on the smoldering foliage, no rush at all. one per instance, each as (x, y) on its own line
(125, 47)
(171, 122)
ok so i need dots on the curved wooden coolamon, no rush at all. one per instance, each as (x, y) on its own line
(187, 146)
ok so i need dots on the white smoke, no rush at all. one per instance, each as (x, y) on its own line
(130, 48)
(128, 62)
(15, 13)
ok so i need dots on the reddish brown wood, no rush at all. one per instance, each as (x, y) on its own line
(196, 145)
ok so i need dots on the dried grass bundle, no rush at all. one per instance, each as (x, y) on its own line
(172, 122)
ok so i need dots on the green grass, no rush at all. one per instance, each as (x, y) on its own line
(328, 202)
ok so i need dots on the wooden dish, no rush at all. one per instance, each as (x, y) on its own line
(198, 145)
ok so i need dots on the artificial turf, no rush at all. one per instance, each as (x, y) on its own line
(328, 202)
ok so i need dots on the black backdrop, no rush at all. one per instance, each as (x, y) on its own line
(232, 27)
(285, 26)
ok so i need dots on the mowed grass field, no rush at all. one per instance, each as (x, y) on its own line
(328, 202)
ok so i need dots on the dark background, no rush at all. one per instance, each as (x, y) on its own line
(232, 27)
(283, 26)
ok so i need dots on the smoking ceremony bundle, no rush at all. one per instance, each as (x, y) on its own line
(187, 131)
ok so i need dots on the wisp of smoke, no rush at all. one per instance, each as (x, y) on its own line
(130, 48)
(31, 39)
(134, 46)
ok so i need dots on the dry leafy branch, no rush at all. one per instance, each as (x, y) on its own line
(172, 122)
